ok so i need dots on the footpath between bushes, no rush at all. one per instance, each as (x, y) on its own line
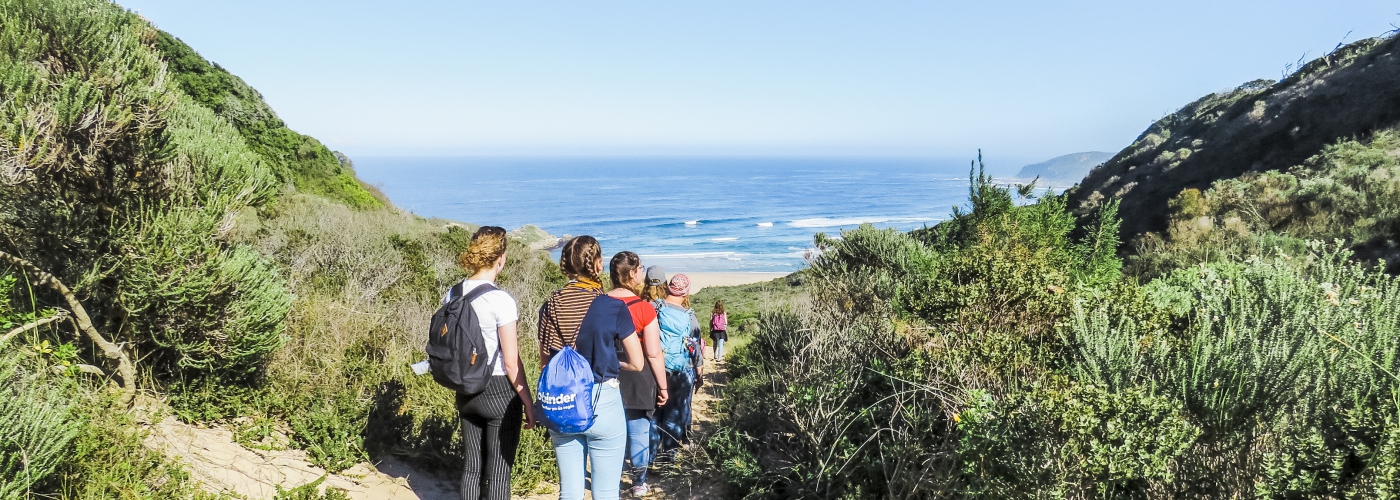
(215, 459)
(680, 479)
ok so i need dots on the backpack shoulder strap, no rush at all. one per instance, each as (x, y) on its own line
(480, 290)
(456, 290)
(477, 292)
(551, 305)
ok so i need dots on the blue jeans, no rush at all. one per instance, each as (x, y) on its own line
(673, 419)
(719, 350)
(604, 443)
(640, 428)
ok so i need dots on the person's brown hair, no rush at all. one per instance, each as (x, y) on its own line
(621, 267)
(488, 244)
(653, 292)
(577, 257)
(719, 307)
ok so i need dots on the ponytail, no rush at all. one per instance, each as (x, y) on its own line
(488, 245)
(621, 268)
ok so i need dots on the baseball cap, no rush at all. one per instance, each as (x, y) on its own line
(655, 276)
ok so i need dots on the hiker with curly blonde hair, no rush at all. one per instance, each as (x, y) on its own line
(491, 419)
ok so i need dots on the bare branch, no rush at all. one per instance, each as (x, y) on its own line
(125, 371)
(32, 325)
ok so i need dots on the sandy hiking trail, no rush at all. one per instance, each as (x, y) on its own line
(222, 465)
(675, 481)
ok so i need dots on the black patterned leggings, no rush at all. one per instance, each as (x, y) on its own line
(490, 435)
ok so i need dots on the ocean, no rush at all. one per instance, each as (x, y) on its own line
(692, 214)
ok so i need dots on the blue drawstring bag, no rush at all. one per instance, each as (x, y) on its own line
(566, 393)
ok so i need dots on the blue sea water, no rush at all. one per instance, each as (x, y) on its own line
(716, 214)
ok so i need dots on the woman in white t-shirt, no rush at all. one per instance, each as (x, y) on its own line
(491, 420)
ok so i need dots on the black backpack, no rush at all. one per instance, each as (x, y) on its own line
(457, 353)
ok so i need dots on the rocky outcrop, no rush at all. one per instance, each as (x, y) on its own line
(535, 238)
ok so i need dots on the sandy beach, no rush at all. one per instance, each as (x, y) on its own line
(699, 281)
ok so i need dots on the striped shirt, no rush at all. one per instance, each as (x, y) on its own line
(563, 313)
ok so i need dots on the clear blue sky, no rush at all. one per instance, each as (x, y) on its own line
(1019, 79)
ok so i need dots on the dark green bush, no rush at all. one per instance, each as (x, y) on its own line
(1077, 441)
(311, 491)
(210, 310)
(996, 356)
(1290, 360)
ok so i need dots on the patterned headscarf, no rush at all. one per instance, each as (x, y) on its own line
(680, 285)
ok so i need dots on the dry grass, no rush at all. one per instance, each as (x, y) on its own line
(366, 283)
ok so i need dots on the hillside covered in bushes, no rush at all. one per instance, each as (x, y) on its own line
(169, 246)
(1311, 156)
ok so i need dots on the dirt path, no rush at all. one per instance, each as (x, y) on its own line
(683, 480)
(222, 465)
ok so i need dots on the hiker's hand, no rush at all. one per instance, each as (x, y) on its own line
(529, 417)
(662, 397)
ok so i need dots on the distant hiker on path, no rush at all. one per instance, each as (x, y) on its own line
(680, 339)
(491, 419)
(579, 316)
(642, 391)
(719, 326)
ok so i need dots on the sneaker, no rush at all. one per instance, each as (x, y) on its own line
(641, 490)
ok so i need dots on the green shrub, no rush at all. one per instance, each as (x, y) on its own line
(1287, 365)
(329, 428)
(311, 491)
(208, 310)
(1072, 442)
(38, 422)
(129, 190)
(109, 460)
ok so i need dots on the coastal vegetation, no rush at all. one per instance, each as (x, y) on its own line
(998, 355)
(1242, 342)
(241, 268)
(171, 249)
